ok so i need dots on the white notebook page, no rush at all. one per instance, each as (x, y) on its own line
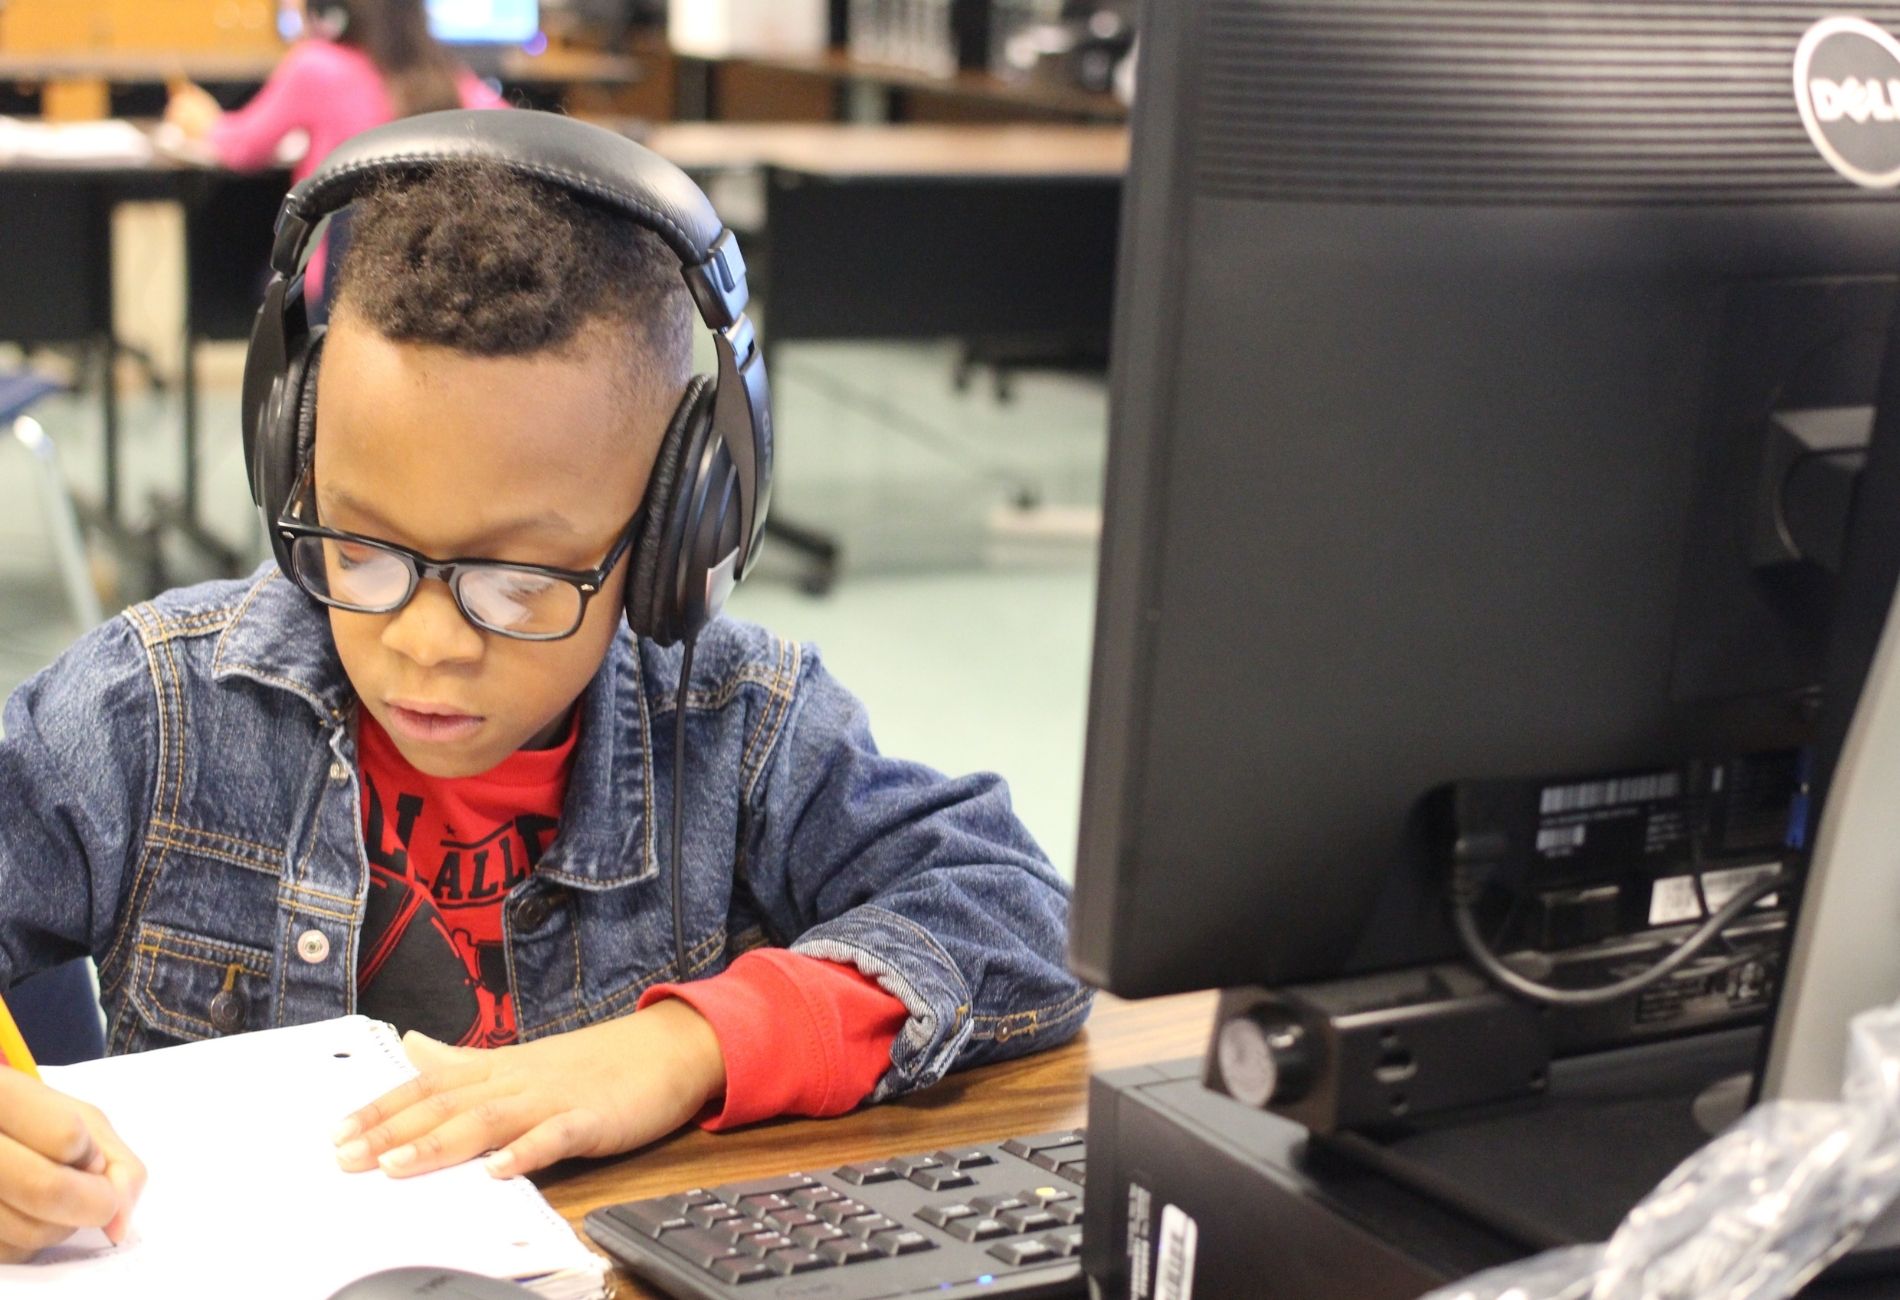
(245, 1196)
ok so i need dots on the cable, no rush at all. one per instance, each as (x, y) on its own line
(679, 805)
(1466, 924)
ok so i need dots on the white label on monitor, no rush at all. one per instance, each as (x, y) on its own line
(1174, 1268)
(1674, 901)
(1140, 1250)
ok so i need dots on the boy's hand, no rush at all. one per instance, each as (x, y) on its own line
(192, 109)
(596, 1091)
(62, 1168)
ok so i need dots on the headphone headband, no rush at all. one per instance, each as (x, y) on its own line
(587, 161)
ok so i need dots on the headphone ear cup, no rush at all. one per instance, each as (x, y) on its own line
(652, 611)
(286, 439)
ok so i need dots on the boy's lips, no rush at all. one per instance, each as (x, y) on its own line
(431, 722)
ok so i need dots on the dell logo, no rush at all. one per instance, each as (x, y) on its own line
(1847, 86)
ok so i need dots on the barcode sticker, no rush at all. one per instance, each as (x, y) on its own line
(1601, 794)
(1174, 1266)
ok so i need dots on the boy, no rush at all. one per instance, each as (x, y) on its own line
(253, 809)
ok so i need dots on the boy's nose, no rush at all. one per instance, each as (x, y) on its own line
(430, 629)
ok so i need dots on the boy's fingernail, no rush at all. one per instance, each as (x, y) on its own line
(346, 1130)
(353, 1152)
(500, 1163)
(400, 1158)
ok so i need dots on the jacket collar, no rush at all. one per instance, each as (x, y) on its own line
(280, 638)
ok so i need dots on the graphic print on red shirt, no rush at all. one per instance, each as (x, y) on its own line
(443, 854)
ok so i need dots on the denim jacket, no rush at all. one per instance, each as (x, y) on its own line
(179, 798)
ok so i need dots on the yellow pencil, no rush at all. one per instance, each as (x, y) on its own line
(13, 1049)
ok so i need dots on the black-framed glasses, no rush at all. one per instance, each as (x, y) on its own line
(530, 602)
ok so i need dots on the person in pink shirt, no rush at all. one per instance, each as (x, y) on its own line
(362, 63)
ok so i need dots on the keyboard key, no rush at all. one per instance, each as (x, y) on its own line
(763, 1204)
(848, 1250)
(737, 1230)
(708, 1215)
(764, 1243)
(649, 1218)
(814, 1235)
(699, 1246)
(904, 1241)
(1054, 1158)
(685, 1201)
(1028, 1146)
(1028, 1219)
(783, 1185)
(743, 1269)
(836, 1212)
(1023, 1252)
(1075, 1170)
(968, 1158)
(810, 1198)
(997, 1204)
(864, 1226)
(876, 1171)
(908, 1165)
(981, 1228)
(796, 1260)
(1048, 1196)
(1065, 1242)
(1068, 1211)
(938, 1215)
(940, 1179)
(789, 1219)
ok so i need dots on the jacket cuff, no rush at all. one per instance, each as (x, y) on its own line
(800, 1035)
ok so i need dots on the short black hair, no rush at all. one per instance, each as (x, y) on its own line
(472, 256)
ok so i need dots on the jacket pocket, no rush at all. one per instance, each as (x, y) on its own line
(184, 987)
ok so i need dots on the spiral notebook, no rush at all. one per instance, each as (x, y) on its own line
(245, 1197)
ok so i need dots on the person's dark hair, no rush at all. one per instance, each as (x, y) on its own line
(471, 256)
(421, 75)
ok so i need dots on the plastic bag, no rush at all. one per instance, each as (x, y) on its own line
(1753, 1215)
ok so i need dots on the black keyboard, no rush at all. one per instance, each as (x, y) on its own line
(1001, 1218)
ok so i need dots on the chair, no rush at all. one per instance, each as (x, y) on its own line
(58, 1014)
(19, 390)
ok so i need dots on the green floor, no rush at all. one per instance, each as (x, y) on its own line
(964, 614)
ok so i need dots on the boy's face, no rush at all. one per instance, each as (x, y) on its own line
(538, 459)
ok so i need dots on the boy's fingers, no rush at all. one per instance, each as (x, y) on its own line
(484, 1125)
(40, 1189)
(44, 1122)
(397, 1100)
(425, 1116)
(22, 1236)
(125, 1171)
(570, 1133)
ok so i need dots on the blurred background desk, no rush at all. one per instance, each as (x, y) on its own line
(1039, 1093)
(1002, 237)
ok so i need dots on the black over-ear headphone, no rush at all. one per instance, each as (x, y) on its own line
(711, 485)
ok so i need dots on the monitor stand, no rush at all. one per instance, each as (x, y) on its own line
(1184, 1181)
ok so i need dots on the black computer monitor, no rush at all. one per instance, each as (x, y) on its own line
(1487, 389)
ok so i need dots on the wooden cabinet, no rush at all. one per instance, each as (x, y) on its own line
(41, 26)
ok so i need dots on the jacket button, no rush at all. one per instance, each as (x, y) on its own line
(227, 1012)
(338, 772)
(313, 946)
(532, 912)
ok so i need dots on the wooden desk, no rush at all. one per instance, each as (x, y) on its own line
(1035, 1094)
(1041, 99)
(837, 149)
(131, 67)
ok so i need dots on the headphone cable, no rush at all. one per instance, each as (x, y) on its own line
(679, 804)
